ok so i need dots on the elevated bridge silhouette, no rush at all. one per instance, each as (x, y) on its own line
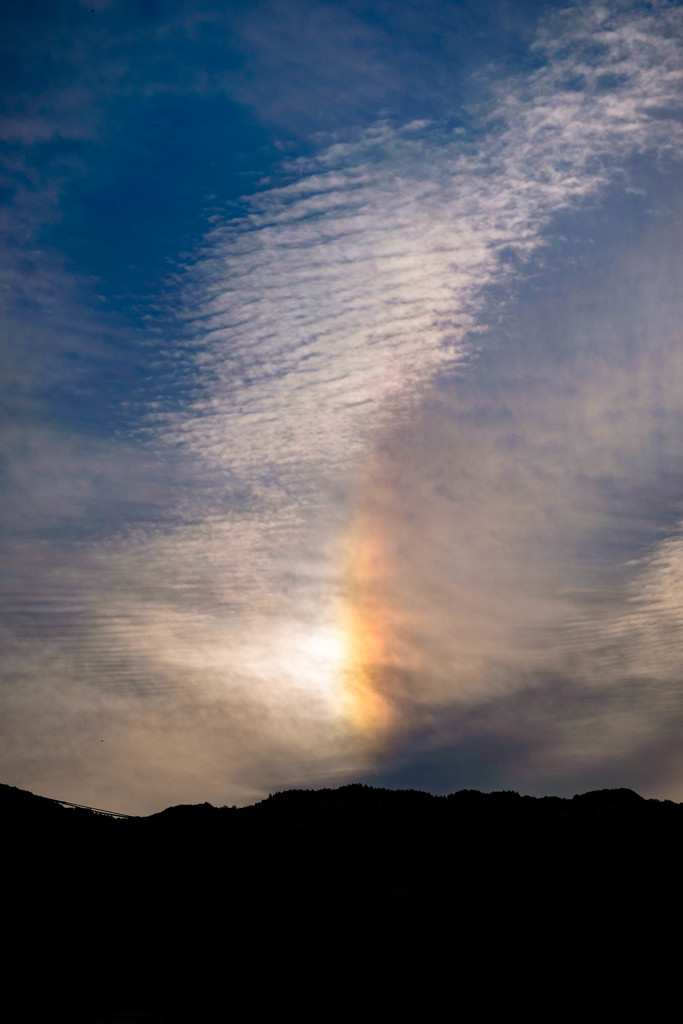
(85, 807)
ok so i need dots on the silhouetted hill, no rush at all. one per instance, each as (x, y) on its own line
(188, 907)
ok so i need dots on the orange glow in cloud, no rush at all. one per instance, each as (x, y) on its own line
(367, 621)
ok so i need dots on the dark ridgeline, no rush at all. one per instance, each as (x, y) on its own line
(336, 904)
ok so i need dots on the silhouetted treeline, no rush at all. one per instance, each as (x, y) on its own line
(315, 898)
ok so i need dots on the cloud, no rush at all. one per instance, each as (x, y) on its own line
(357, 442)
(351, 285)
(528, 525)
(318, 323)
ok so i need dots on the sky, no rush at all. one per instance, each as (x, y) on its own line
(342, 391)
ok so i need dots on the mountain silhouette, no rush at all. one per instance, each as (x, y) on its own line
(321, 901)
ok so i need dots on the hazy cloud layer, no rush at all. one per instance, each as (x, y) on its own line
(419, 411)
(533, 515)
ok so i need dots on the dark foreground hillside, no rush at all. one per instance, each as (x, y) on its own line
(355, 902)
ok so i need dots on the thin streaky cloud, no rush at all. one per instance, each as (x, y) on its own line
(342, 491)
(357, 281)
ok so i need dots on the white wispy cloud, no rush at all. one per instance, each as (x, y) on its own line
(317, 317)
(315, 324)
(316, 321)
(346, 289)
